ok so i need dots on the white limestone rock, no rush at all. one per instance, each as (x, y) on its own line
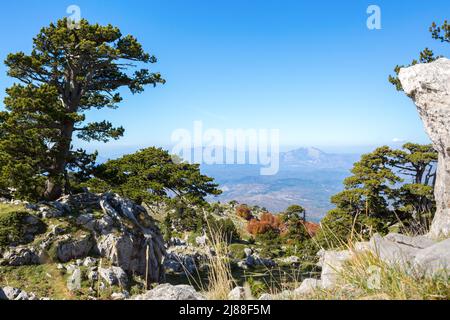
(429, 86)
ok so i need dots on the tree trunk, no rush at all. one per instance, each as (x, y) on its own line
(54, 185)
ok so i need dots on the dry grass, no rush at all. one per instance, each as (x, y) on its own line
(367, 277)
(220, 279)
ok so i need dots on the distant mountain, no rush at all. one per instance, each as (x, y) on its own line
(316, 158)
(307, 176)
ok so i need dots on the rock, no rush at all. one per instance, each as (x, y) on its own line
(362, 246)
(292, 260)
(89, 262)
(201, 241)
(265, 297)
(87, 221)
(114, 276)
(74, 281)
(434, 259)
(250, 261)
(237, 293)
(69, 248)
(429, 86)
(20, 256)
(81, 201)
(170, 292)
(179, 262)
(308, 287)
(419, 242)
(71, 268)
(139, 246)
(393, 253)
(177, 242)
(22, 296)
(92, 275)
(57, 230)
(268, 263)
(332, 263)
(120, 295)
(47, 212)
(10, 293)
(32, 207)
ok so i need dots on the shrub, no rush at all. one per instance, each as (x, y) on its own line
(244, 212)
(267, 222)
(225, 227)
(13, 228)
(237, 250)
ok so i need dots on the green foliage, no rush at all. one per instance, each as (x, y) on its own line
(293, 230)
(271, 243)
(257, 287)
(184, 217)
(13, 228)
(237, 250)
(295, 211)
(440, 33)
(68, 72)
(377, 196)
(223, 227)
(152, 175)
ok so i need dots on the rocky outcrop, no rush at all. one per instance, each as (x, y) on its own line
(418, 256)
(10, 293)
(434, 259)
(68, 247)
(253, 260)
(332, 263)
(170, 292)
(308, 287)
(86, 225)
(20, 256)
(238, 293)
(114, 276)
(429, 86)
(138, 247)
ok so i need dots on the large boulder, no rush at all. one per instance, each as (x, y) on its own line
(418, 242)
(434, 259)
(429, 87)
(125, 234)
(134, 243)
(69, 247)
(308, 286)
(114, 276)
(393, 253)
(332, 263)
(170, 292)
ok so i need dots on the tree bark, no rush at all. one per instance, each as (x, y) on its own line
(54, 185)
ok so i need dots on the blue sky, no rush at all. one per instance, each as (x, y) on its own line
(312, 70)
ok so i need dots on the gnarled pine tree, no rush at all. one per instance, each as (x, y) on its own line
(69, 71)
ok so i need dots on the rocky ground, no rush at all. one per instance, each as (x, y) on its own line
(89, 242)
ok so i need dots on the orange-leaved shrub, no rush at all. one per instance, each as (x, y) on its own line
(244, 212)
(267, 222)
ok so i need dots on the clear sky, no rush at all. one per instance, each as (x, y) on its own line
(309, 68)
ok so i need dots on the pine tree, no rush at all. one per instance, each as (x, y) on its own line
(68, 72)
